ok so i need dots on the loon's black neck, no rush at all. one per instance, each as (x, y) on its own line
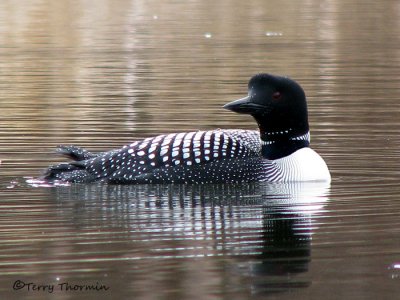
(281, 144)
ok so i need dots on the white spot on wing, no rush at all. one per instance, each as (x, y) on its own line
(163, 151)
(142, 145)
(152, 148)
(134, 144)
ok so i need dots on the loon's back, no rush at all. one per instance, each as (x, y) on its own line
(193, 157)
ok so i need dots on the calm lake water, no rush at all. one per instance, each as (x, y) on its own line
(101, 74)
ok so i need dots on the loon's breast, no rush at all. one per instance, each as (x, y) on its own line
(303, 165)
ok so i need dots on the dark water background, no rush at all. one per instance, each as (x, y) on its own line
(101, 74)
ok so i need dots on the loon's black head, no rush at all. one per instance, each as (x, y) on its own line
(278, 104)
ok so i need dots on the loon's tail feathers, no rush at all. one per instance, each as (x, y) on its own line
(75, 153)
(69, 172)
(73, 171)
(77, 170)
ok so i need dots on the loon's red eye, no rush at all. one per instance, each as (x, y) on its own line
(277, 96)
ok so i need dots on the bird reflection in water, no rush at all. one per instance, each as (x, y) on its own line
(262, 231)
(285, 254)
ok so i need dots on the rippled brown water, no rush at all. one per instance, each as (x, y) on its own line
(103, 73)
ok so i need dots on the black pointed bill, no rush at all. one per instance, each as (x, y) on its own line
(244, 106)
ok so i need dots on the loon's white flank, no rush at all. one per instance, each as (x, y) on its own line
(303, 165)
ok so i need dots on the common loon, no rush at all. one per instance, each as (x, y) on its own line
(278, 152)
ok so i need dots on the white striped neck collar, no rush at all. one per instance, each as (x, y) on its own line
(278, 138)
(281, 146)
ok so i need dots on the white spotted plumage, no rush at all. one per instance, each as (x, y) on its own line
(221, 156)
(148, 160)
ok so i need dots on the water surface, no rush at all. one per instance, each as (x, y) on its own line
(101, 74)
